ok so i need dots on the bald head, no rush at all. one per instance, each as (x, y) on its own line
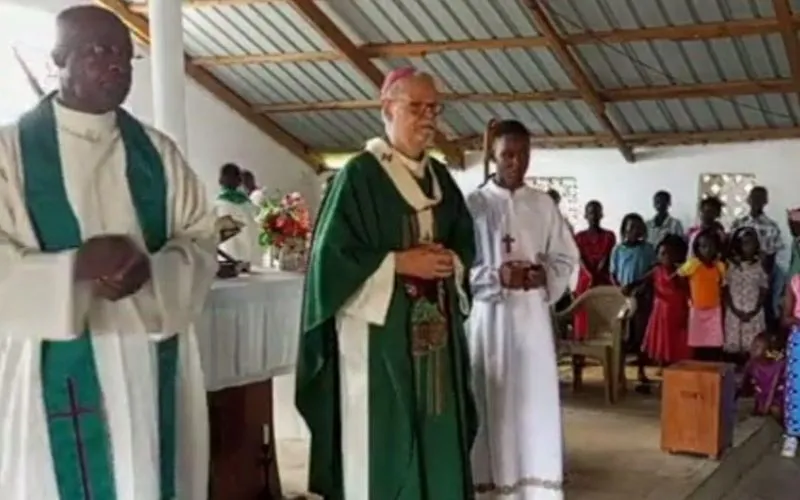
(78, 24)
(93, 53)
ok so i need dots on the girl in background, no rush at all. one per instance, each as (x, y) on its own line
(791, 319)
(745, 293)
(595, 245)
(630, 262)
(666, 339)
(705, 272)
(710, 210)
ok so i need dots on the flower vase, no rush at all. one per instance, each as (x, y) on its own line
(291, 256)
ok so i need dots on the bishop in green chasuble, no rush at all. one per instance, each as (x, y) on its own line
(382, 380)
(102, 399)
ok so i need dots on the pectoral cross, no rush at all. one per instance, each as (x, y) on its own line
(74, 413)
(507, 241)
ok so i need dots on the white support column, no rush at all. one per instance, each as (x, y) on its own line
(169, 78)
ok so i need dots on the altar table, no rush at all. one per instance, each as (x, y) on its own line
(248, 333)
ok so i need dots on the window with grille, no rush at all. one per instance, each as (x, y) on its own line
(731, 189)
(567, 187)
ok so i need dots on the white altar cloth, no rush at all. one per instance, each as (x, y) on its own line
(250, 327)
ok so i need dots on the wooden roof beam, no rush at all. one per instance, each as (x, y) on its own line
(689, 91)
(705, 31)
(783, 11)
(141, 7)
(327, 28)
(650, 140)
(577, 75)
(474, 142)
(141, 32)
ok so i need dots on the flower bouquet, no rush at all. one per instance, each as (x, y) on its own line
(286, 228)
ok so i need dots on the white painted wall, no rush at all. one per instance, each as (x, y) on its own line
(216, 134)
(604, 175)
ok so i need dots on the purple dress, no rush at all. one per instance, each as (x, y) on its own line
(767, 377)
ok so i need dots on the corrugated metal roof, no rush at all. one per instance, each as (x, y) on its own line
(276, 28)
(429, 20)
(251, 29)
(577, 16)
(693, 115)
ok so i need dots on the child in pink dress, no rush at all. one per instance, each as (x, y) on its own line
(666, 339)
(705, 272)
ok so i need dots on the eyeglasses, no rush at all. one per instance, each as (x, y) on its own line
(418, 108)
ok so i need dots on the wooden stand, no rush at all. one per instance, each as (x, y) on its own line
(698, 409)
(244, 464)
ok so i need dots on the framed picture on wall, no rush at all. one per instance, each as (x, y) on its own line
(567, 187)
(731, 189)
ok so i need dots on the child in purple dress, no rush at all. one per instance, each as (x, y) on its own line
(765, 378)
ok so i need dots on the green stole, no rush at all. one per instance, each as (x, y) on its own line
(73, 399)
(233, 196)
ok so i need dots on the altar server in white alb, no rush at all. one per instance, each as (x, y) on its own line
(232, 201)
(107, 250)
(525, 257)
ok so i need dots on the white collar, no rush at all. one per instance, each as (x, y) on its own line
(492, 187)
(84, 125)
(399, 169)
(416, 167)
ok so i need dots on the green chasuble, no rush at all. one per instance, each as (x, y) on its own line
(73, 398)
(420, 419)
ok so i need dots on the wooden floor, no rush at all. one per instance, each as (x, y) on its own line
(612, 452)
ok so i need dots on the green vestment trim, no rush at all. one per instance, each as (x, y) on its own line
(233, 196)
(73, 396)
(414, 453)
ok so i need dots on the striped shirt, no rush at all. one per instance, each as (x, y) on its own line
(656, 233)
(769, 234)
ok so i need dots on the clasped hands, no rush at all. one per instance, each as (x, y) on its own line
(429, 261)
(113, 265)
(746, 315)
(522, 275)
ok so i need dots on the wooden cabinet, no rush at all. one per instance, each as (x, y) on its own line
(698, 409)
(243, 461)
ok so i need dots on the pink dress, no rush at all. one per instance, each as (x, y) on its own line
(666, 340)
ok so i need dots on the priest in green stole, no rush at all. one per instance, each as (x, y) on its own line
(383, 376)
(107, 251)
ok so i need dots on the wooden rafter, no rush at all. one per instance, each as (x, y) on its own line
(577, 75)
(706, 31)
(696, 90)
(783, 11)
(652, 139)
(140, 29)
(327, 28)
(141, 8)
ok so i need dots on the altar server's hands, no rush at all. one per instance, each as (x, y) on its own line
(535, 277)
(114, 265)
(522, 275)
(513, 274)
(425, 262)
